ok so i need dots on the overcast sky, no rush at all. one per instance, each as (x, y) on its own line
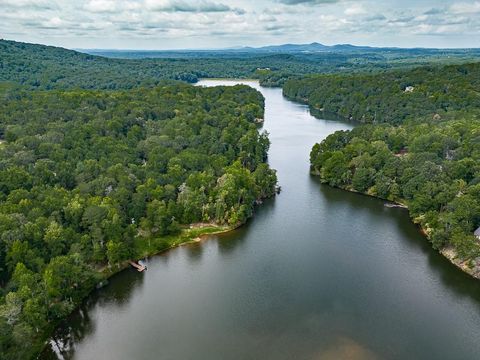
(171, 24)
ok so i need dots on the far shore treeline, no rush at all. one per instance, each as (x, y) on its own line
(47, 67)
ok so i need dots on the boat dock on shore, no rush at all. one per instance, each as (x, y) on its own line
(140, 267)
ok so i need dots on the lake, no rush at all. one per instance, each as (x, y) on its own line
(318, 273)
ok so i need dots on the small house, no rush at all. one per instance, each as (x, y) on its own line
(477, 233)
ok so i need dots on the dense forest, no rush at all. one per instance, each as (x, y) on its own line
(48, 67)
(430, 162)
(107, 159)
(89, 179)
(392, 96)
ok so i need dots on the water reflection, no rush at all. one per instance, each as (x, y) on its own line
(195, 251)
(117, 294)
(450, 276)
(328, 115)
(62, 343)
(345, 349)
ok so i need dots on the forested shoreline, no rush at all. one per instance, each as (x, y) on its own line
(89, 179)
(393, 96)
(421, 149)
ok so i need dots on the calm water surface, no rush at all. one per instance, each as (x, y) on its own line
(317, 274)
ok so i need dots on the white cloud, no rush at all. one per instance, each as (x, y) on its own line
(55, 22)
(466, 8)
(188, 6)
(355, 10)
(267, 18)
(307, 2)
(101, 6)
(32, 4)
(216, 23)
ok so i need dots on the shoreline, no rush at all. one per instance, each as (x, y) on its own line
(448, 252)
(188, 236)
(451, 254)
(225, 79)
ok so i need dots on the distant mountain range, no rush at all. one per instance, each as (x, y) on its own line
(296, 48)
(284, 49)
(288, 49)
(316, 47)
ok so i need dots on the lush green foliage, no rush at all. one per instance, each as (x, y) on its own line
(47, 67)
(433, 167)
(91, 178)
(431, 161)
(393, 96)
(88, 177)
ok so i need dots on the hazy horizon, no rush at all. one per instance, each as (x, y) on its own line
(239, 47)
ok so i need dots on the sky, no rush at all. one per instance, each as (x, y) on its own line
(207, 24)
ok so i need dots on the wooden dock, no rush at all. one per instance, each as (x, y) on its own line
(137, 266)
(395, 205)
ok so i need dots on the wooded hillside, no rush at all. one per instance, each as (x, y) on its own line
(392, 96)
(91, 178)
